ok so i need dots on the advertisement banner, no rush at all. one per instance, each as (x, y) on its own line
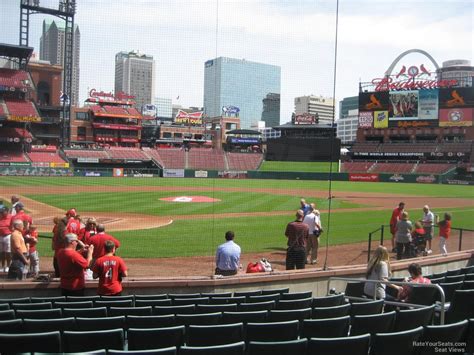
(456, 98)
(366, 119)
(305, 118)
(380, 119)
(456, 117)
(118, 172)
(428, 106)
(245, 140)
(87, 160)
(373, 101)
(177, 173)
(59, 165)
(200, 174)
(426, 179)
(23, 118)
(364, 177)
(403, 105)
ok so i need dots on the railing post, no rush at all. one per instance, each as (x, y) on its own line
(368, 249)
(460, 239)
(381, 235)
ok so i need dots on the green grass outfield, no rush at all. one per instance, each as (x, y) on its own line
(194, 237)
(303, 167)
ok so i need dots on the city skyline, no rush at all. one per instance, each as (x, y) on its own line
(298, 37)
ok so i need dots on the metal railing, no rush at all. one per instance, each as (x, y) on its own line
(442, 302)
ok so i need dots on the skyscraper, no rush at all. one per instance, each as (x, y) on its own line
(252, 87)
(134, 75)
(322, 106)
(52, 49)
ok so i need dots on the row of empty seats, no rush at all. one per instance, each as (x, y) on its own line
(13, 78)
(203, 158)
(21, 108)
(45, 157)
(418, 147)
(114, 110)
(395, 168)
(243, 161)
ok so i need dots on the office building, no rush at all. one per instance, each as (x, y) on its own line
(134, 75)
(347, 104)
(321, 106)
(52, 46)
(347, 127)
(251, 89)
(164, 108)
(457, 69)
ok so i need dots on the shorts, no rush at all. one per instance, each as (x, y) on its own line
(5, 246)
(428, 233)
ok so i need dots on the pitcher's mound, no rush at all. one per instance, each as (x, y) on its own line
(190, 199)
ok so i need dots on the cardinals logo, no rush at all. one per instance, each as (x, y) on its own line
(457, 100)
(374, 103)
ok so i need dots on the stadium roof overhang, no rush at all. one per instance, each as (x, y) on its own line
(244, 131)
(13, 51)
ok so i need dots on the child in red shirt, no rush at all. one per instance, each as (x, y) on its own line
(31, 239)
(444, 232)
(110, 270)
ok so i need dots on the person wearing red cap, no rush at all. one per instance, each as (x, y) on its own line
(22, 216)
(98, 241)
(73, 225)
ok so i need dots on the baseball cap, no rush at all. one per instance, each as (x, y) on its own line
(71, 237)
(19, 206)
(71, 212)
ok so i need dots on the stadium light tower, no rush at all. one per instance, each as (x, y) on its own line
(65, 10)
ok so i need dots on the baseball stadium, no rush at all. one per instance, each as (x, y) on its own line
(169, 192)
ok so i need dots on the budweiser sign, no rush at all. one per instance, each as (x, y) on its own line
(391, 84)
(193, 118)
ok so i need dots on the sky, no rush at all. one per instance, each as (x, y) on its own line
(297, 35)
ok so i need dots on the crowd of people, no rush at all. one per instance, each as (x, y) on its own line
(78, 247)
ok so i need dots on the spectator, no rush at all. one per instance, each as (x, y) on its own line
(228, 256)
(14, 200)
(415, 277)
(378, 268)
(72, 265)
(32, 240)
(444, 232)
(428, 223)
(88, 231)
(110, 270)
(98, 241)
(21, 215)
(297, 234)
(313, 221)
(57, 243)
(304, 206)
(19, 252)
(396, 214)
(5, 235)
(73, 225)
(403, 236)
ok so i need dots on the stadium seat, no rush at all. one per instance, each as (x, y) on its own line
(112, 303)
(245, 317)
(48, 299)
(296, 295)
(11, 326)
(373, 323)
(71, 304)
(454, 278)
(82, 298)
(412, 318)
(468, 285)
(164, 351)
(328, 301)
(438, 280)
(449, 289)
(209, 308)
(84, 341)
(39, 313)
(32, 306)
(162, 310)
(155, 338)
(357, 345)
(198, 318)
(92, 324)
(85, 312)
(277, 331)
(325, 328)
(153, 302)
(470, 337)
(294, 304)
(396, 343)
(227, 300)
(190, 300)
(285, 315)
(48, 325)
(260, 306)
(467, 270)
(437, 275)
(450, 333)
(228, 349)
(151, 297)
(150, 321)
(15, 300)
(354, 289)
(331, 312)
(216, 294)
(247, 293)
(49, 342)
(263, 298)
(117, 298)
(208, 335)
(425, 296)
(365, 308)
(454, 272)
(276, 291)
(461, 307)
(291, 347)
(7, 314)
(129, 311)
(4, 306)
(469, 277)
(184, 295)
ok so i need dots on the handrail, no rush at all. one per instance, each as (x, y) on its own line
(402, 283)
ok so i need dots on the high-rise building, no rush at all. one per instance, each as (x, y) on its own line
(52, 46)
(458, 69)
(347, 104)
(164, 108)
(322, 107)
(135, 75)
(347, 126)
(253, 88)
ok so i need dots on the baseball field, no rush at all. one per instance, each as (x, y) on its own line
(172, 226)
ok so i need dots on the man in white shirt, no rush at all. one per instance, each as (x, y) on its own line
(428, 224)
(14, 200)
(313, 221)
(228, 256)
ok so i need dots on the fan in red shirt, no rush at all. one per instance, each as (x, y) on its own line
(109, 269)
(396, 214)
(73, 225)
(444, 232)
(72, 265)
(5, 233)
(98, 241)
(21, 215)
(415, 277)
(88, 231)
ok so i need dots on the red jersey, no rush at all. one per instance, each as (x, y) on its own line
(27, 220)
(98, 241)
(72, 265)
(72, 226)
(110, 270)
(444, 228)
(85, 235)
(396, 214)
(32, 240)
(5, 223)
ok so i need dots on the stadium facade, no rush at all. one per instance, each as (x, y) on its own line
(252, 89)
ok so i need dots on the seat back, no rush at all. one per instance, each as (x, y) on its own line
(112, 303)
(48, 342)
(328, 301)
(154, 338)
(325, 328)
(49, 325)
(263, 298)
(228, 349)
(105, 323)
(11, 326)
(85, 312)
(150, 321)
(425, 296)
(83, 341)
(190, 300)
(207, 335)
(82, 298)
(245, 317)
(273, 291)
(259, 306)
(7, 314)
(227, 300)
(290, 347)
(32, 306)
(462, 306)
(129, 311)
(296, 295)
(39, 313)
(163, 351)
(75, 304)
(331, 312)
(452, 333)
(285, 315)
(365, 308)
(162, 310)
(356, 345)
(199, 318)
(209, 308)
(153, 302)
(449, 289)
(412, 318)
(295, 304)
(160, 296)
(397, 342)
(277, 331)
(374, 323)
(354, 289)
